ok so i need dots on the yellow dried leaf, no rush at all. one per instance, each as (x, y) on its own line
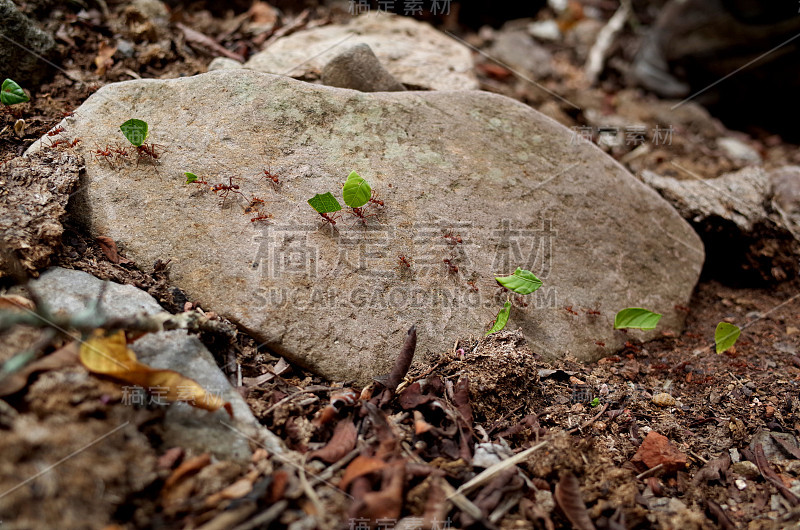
(110, 356)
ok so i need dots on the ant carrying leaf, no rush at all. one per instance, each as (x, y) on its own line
(325, 204)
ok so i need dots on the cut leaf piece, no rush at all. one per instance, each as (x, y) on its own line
(356, 191)
(190, 177)
(11, 93)
(501, 320)
(726, 336)
(521, 282)
(136, 131)
(636, 318)
(110, 356)
(324, 203)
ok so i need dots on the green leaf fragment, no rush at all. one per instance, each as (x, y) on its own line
(521, 282)
(501, 320)
(636, 318)
(324, 203)
(190, 177)
(594, 402)
(136, 131)
(356, 191)
(726, 336)
(11, 93)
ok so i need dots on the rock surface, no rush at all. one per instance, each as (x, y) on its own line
(71, 292)
(18, 58)
(413, 52)
(494, 172)
(742, 226)
(33, 197)
(358, 68)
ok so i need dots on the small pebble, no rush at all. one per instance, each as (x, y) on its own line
(740, 484)
(664, 400)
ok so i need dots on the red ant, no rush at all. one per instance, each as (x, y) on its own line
(226, 188)
(359, 213)
(600, 343)
(375, 200)
(453, 239)
(261, 217)
(255, 204)
(520, 301)
(57, 130)
(592, 312)
(68, 114)
(147, 150)
(331, 219)
(121, 152)
(404, 261)
(472, 286)
(268, 174)
(107, 152)
(57, 143)
(568, 309)
(451, 267)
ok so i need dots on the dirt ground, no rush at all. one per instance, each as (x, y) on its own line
(665, 434)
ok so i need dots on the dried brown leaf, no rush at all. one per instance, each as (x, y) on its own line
(360, 466)
(769, 474)
(103, 61)
(109, 248)
(568, 497)
(461, 400)
(713, 470)
(65, 356)
(342, 442)
(388, 502)
(111, 357)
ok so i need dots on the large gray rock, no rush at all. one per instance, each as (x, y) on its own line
(20, 43)
(71, 292)
(503, 177)
(413, 52)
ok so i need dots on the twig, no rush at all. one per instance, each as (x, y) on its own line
(308, 490)
(590, 421)
(597, 55)
(264, 518)
(651, 471)
(492, 471)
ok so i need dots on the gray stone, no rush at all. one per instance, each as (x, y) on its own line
(125, 48)
(223, 63)
(545, 30)
(517, 49)
(189, 427)
(72, 292)
(746, 469)
(414, 52)
(359, 69)
(772, 449)
(501, 176)
(785, 182)
(738, 150)
(20, 42)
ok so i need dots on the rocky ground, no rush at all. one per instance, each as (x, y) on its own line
(665, 433)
